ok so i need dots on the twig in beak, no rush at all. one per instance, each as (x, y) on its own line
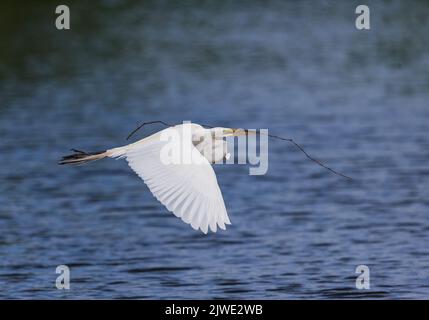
(305, 153)
(145, 123)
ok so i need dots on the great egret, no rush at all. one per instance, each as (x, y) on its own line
(189, 190)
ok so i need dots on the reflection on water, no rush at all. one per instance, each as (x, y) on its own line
(356, 99)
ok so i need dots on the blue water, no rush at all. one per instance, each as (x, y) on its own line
(355, 99)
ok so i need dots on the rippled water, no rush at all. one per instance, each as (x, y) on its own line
(356, 99)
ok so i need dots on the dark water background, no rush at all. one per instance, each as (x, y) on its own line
(356, 99)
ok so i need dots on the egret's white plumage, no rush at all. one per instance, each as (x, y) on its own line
(189, 190)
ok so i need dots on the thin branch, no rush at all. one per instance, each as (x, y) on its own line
(145, 123)
(310, 157)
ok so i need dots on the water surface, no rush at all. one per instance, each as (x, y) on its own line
(355, 99)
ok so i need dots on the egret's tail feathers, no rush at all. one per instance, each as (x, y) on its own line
(79, 157)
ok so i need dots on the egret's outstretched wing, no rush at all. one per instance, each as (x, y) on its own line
(190, 191)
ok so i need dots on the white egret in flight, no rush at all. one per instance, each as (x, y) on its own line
(189, 190)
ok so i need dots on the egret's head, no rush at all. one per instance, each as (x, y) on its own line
(220, 132)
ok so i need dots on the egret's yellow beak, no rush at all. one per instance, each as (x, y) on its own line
(228, 132)
(240, 132)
